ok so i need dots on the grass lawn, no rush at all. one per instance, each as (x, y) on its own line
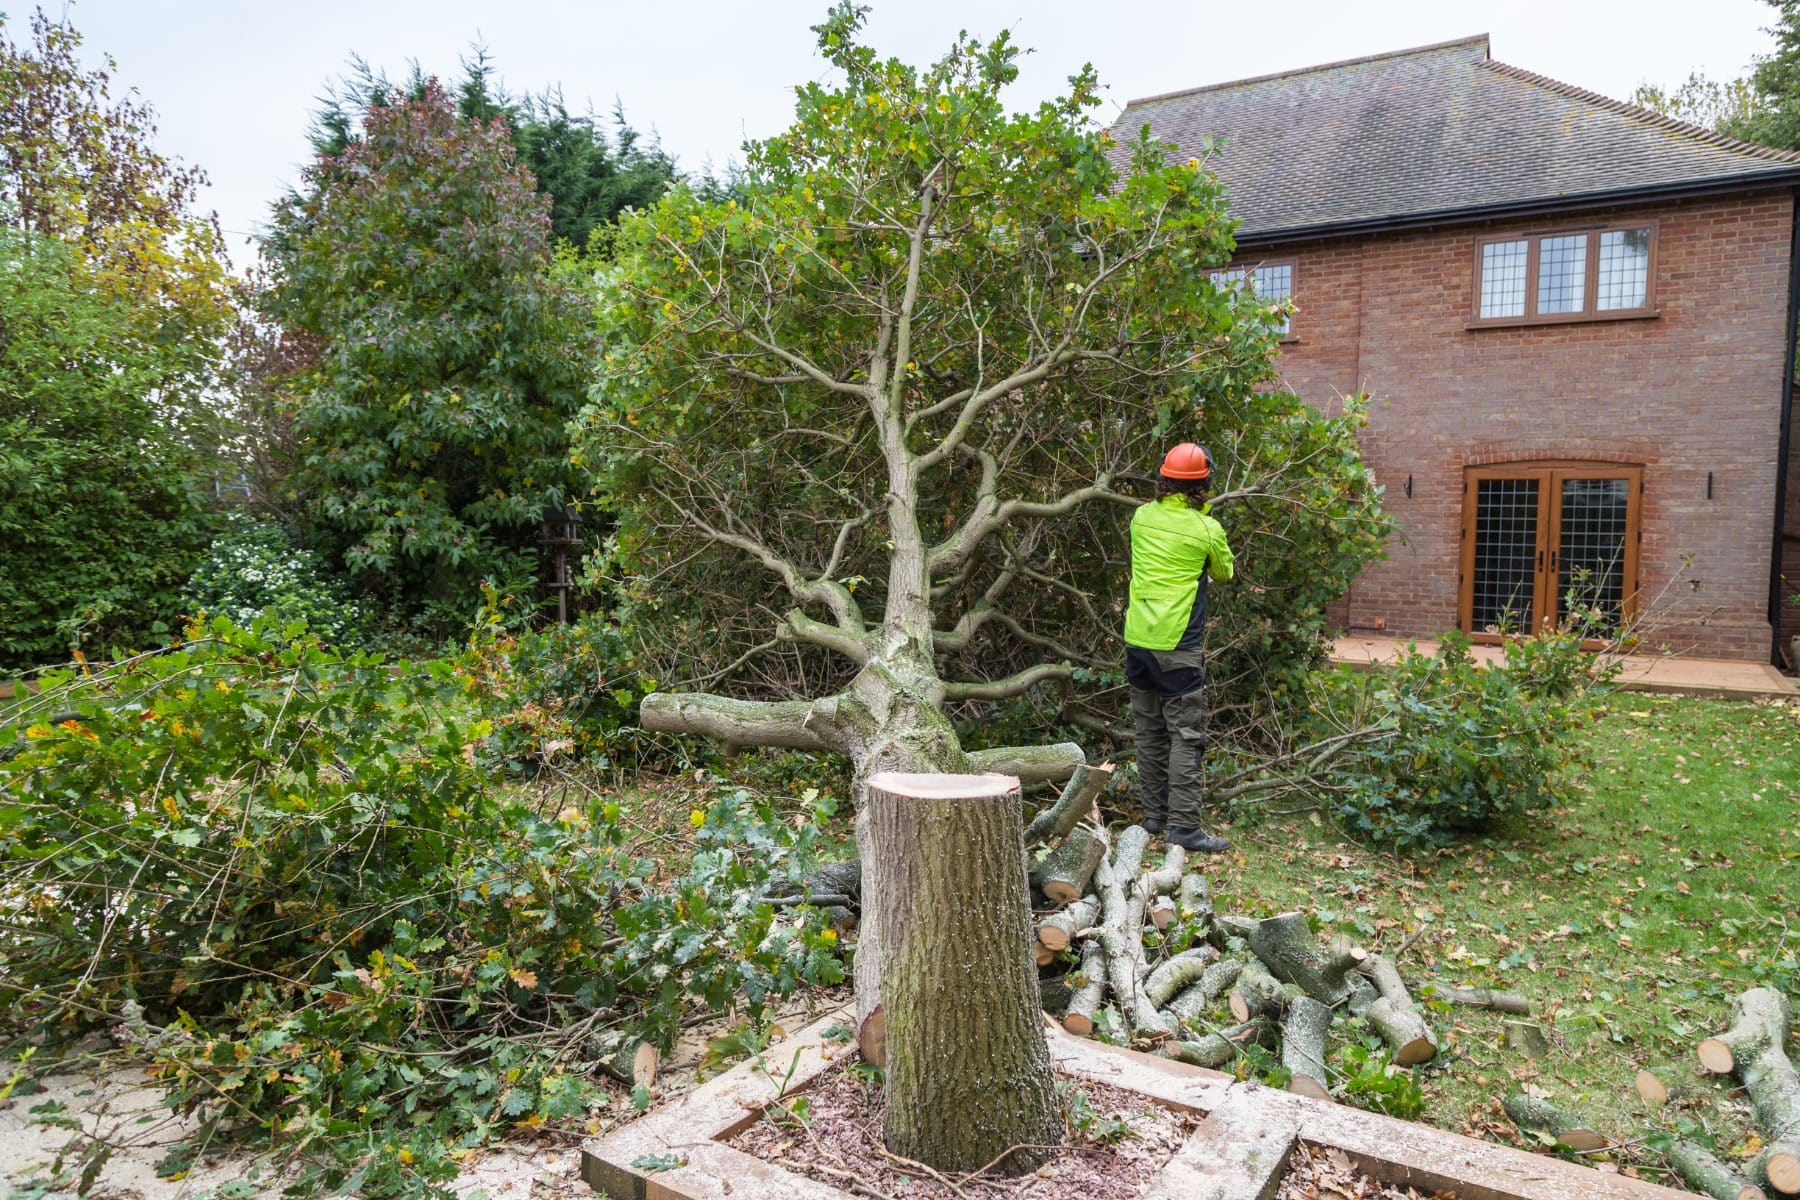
(1631, 918)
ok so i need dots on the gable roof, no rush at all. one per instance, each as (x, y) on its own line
(1429, 134)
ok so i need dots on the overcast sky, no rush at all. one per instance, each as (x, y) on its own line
(235, 81)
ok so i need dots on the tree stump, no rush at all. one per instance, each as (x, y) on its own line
(954, 924)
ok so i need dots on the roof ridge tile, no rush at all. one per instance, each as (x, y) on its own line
(1473, 39)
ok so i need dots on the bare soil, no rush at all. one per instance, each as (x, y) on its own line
(840, 1143)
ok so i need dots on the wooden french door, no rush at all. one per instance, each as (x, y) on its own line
(1549, 543)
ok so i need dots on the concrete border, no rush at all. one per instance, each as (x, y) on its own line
(1239, 1152)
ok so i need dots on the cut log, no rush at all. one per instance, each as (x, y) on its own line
(1227, 926)
(631, 1061)
(1073, 805)
(871, 1038)
(1540, 1116)
(1059, 929)
(1527, 1038)
(1195, 897)
(1176, 973)
(1128, 856)
(1054, 994)
(1162, 912)
(1257, 993)
(1042, 955)
(1079, 1019)
(1063, 875)
(1288, 948)
(1303, 1031)
(1394, 1016)
(1707, 1175)
(1216, 1049)
(1651, 1089)
(1754, 1047)
(1191, 1003)
(1164, 879)
(1489, 998)
(1122, 937)
(1758, 1017)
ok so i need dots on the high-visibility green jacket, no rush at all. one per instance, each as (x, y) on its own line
(1174, 549)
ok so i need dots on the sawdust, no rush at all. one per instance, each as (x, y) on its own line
(840, 1143)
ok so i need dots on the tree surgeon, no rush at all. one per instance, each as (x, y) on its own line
(1176, 546)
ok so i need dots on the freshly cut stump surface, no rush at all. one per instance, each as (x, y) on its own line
(842, 1141)
(968, 1070)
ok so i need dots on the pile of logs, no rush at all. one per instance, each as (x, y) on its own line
(1101, 897)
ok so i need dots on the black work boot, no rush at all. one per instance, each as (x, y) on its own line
(1153, 824)
(1197, 840)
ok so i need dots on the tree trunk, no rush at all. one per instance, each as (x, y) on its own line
(954, 923)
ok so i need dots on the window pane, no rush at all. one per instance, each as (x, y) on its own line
(1505, 583)
(1503, 279)
(1624, 268)
(1230, 278)
(1562, 274)
(1275, 284)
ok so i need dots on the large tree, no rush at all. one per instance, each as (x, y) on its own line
(888, 398)
(445, 360)
(114, 301)
(590, 174)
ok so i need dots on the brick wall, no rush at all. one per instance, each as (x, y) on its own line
(1693, 390)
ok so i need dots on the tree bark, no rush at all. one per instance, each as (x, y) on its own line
(1303, 1032)
(1488, 998)
(1079, 1019)
(1123, 938)
(1288, 948)
(1073, 805)
(1707, 1175)
(1534, 1115)
(1185, 1010)
(1058, 930)
(1257, 992)
(1063, 875)
(955, 920)
(1217, 1049)
(1754, 1048)
(1176, 973)
(1394, 1016)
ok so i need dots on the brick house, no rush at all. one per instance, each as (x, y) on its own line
(1575, 318)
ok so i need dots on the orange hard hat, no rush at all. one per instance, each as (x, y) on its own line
(1187, 461)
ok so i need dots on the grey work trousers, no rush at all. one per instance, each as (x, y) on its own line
(1171, 741)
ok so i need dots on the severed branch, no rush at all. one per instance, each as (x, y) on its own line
(1012, 685)
(1032, 764)
(788, 723)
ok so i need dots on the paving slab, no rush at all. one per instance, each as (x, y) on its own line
(1728, 679)
(1239, 1151)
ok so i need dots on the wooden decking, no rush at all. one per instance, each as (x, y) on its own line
(1724, 678)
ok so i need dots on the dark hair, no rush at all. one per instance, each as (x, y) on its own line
(1194, 489)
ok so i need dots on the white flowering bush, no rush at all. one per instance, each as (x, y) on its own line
(255, 568)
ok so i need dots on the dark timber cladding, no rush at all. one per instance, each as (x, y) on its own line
(1631, 443)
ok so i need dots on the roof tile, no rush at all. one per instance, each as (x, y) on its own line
(1434, 130)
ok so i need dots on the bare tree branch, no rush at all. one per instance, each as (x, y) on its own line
(1012, 685)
